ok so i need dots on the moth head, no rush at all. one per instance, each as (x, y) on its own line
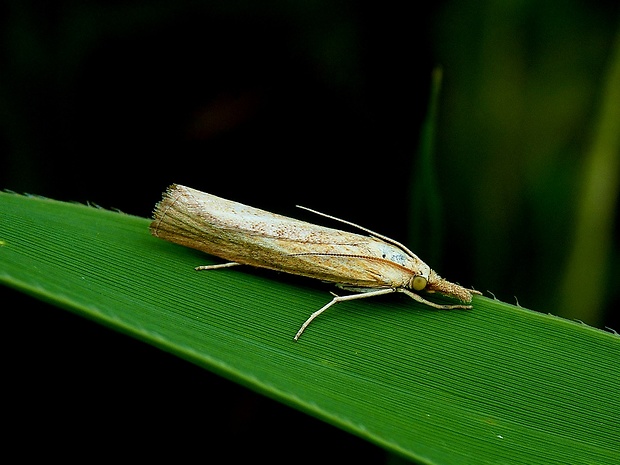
(437, 284)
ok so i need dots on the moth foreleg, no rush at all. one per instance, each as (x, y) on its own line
(341, 299)
(422, 300)
(215, 267)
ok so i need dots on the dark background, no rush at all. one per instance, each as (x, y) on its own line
(281, 103)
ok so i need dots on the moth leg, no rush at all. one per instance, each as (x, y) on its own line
(422, 300)
(215, 267)
(341, 299)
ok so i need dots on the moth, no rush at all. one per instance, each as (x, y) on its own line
(368, 264)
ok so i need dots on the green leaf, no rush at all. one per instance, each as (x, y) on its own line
(496, 384)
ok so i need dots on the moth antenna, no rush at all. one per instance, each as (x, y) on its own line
(369, 231)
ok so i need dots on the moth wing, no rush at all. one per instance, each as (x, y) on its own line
(248, 235)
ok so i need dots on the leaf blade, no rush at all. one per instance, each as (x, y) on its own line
(495, 383)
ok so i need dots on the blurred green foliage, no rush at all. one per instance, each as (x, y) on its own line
(531, 103)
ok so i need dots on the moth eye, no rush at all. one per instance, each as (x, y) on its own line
(419, 283)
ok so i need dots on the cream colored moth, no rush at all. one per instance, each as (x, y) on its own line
(370, 265)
